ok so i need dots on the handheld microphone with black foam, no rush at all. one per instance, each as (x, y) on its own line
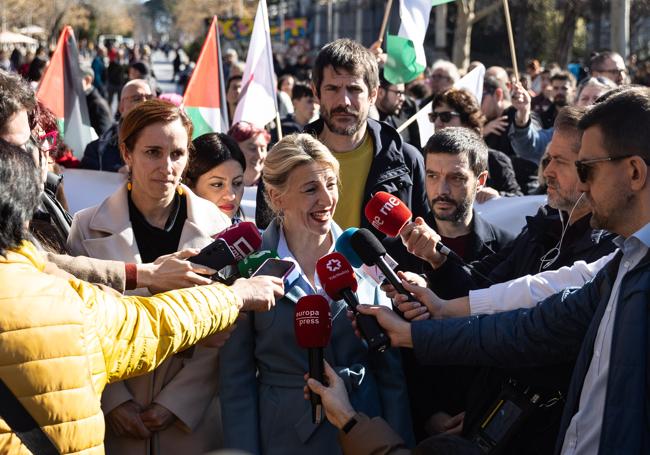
(313, 327)
(242, 238)
(337, 278)
(372, 252)
(252, 262)
(388, 214)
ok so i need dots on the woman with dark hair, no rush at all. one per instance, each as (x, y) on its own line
(216, 172)
(458, 107)
(153, 214)
(253, 142)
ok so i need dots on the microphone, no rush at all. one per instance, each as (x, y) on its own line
(243, 239)
(388, 214)
(372, 252)
(313, 326)
(252, 262)
(344, 247)
(337, 278)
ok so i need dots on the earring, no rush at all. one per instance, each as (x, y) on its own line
(179, 188)
(129, 185)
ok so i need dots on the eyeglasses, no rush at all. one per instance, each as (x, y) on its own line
(614, 71)
(445, 117)
(440, 77)
(583, 167)
(140, 97)
(396, 92)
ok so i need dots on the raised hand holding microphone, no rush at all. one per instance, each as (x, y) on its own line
(337, 278)
(313, 328)
(389, 215)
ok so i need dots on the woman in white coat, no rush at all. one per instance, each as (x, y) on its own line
(168, 411)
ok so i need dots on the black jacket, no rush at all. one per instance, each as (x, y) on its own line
(98, 111)
(501, 174)
(433, 388)
(525, 171)
(397, 168)
(103, 154)
(541, 233)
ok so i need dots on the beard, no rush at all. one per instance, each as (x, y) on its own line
(462, 209)
(347, 130)
(560, 101)
(558, 199)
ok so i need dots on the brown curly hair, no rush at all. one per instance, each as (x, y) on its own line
(463, 102)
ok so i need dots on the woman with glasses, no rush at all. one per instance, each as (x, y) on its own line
(153, 214)
(458, 107)
(216, 172)
(590, 90)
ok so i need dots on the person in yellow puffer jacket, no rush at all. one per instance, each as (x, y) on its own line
(64, 339)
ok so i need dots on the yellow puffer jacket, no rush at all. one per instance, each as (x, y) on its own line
(63, 339)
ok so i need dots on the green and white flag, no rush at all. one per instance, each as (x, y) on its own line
(406, 58)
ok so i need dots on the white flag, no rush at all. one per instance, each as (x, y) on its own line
(257, 102)
(472, 82)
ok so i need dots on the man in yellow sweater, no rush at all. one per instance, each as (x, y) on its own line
(372, 154)
(64, 339)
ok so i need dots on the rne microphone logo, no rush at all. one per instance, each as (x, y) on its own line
(385, 209)
(333, 265)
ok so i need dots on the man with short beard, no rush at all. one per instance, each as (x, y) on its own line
(564, 88)
(456, 162)
(372, 155)
(558, 235)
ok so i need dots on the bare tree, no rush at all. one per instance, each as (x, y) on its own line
(466, 17)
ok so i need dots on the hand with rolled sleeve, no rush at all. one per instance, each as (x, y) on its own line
(522, 102)
(421, 240)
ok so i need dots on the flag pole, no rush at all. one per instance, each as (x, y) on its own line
(278, 125)
(384, 22)
(413, 118)
(511, 39)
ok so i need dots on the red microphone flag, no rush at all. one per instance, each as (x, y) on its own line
(335, 274)
(312, 322)
(387, 213)
(243, 239)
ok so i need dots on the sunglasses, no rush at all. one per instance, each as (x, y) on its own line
(583, 167)
(445, 117)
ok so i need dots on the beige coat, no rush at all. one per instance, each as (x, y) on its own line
(184, 385)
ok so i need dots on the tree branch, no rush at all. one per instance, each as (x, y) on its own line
(485, 12)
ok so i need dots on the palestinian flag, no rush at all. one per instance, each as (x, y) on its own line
(205, 97)
(61, 92)
(406, 58)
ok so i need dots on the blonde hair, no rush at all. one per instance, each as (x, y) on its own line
(288, 154)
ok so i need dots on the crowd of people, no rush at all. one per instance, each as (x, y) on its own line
(530, 343)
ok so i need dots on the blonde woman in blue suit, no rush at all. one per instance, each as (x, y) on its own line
(261, 366)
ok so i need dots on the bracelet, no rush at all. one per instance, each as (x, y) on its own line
(131, 272)
(349, 425)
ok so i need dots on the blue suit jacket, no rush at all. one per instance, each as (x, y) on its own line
(262, 376)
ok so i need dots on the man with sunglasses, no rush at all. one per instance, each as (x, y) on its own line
(103, 154)
(610, 65)
(601, 327)
(557, 236)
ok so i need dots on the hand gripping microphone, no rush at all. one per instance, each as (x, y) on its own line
(313, 327)
(372, 252)
(337, 278)
(243, 239)
(252, 262)
(388, 214)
